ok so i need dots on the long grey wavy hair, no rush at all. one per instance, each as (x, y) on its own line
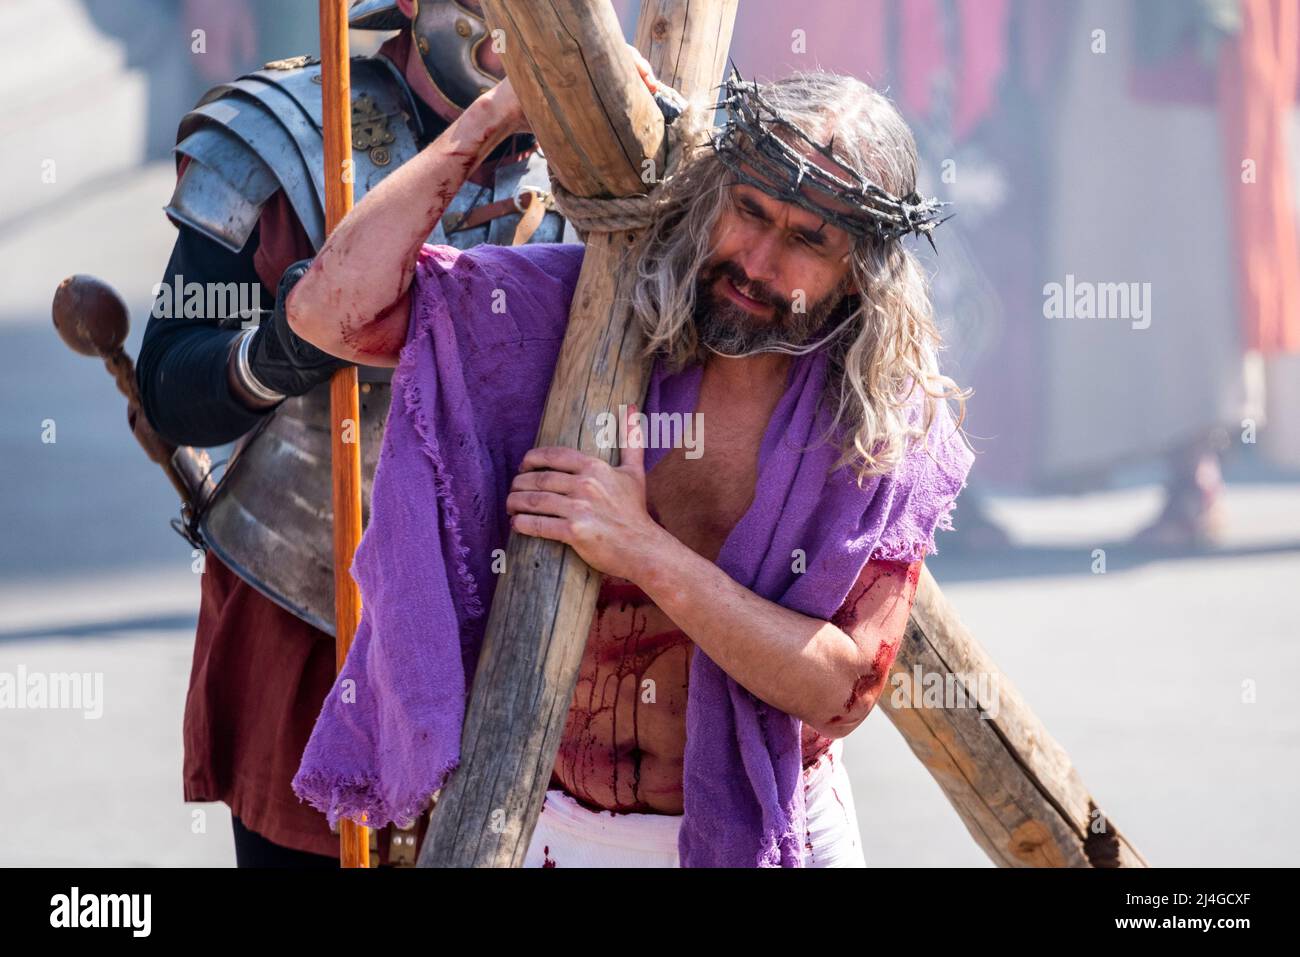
(884, 343)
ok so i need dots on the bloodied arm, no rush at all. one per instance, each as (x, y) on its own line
(355, 300)
(828, 674)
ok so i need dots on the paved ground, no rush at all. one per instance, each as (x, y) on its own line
(1138, 672)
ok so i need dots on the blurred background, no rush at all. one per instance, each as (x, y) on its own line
(1128, 547)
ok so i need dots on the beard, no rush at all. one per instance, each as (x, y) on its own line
(727, 328)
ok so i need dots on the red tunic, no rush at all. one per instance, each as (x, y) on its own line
(258, 680)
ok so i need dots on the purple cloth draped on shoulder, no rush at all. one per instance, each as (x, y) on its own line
(467, 397)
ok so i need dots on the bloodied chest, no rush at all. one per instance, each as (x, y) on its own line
(625, 734)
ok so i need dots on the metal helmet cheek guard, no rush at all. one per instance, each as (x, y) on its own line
(376, 15)
(448, 35)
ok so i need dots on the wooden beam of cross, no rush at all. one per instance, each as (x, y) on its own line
(1011, 783)
(599, 128)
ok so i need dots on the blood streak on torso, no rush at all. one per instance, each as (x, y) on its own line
(625, 734)
(626, 730)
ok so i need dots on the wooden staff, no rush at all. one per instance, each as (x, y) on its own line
(345, 402)
(598, 125)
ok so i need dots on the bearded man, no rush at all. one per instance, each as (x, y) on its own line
(766, 581)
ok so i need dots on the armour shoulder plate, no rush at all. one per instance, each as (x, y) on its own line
(262, 132)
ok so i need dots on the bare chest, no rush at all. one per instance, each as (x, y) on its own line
(700, 503)
(625, 736)
(699, 496)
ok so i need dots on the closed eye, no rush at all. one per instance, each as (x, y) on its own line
(810, 238)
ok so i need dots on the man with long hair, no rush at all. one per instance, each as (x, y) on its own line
(765, 576)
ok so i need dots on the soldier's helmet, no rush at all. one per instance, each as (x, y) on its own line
(448, 34)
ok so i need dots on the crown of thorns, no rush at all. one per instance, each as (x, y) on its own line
(749, 137)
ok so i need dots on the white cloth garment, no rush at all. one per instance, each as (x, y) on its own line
(571, 835)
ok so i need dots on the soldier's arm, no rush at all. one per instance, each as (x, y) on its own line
(354, 302)
(184, 365)
(193, 391)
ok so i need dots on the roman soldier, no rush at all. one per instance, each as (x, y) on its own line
(249, 209)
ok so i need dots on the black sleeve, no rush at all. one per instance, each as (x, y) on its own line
(182, 365)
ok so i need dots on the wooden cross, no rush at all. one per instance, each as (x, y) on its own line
(1013, 786)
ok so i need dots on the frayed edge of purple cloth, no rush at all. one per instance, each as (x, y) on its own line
(414, 400)
(358, 796)
(781, 849)
(917, 550)
(914, 548)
